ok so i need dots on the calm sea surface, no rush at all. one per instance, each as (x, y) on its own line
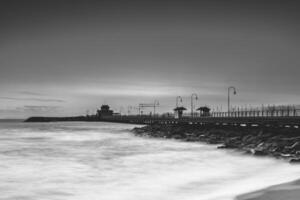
(104, 161)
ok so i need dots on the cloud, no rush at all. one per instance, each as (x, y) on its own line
(32, 99)
(38, 109)
(143, 91)
(28, 110)
(30, 93)
(31, 109)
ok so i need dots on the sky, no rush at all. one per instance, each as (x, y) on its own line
(63, 58)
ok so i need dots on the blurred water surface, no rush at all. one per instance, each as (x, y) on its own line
(104, 161)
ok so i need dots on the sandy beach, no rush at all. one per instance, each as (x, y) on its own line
(286, 191)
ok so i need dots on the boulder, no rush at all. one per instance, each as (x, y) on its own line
(191, 139)
(295, 146)
(177, 136)
(295, 160)
(227, 146)
(258, 152)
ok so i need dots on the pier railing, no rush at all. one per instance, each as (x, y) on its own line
(270, 116)
(267, 111)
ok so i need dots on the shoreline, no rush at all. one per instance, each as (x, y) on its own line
(259, 141)
(284, 191)
(277, 143)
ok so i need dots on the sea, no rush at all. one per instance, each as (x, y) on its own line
(106, 161)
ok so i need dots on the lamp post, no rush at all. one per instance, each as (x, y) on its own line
(121, 110)
(129, 108)
(178, 98)
(193, 96)
(137, 110)
(156, 103)
(234, 92)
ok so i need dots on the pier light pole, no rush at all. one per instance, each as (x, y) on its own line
(178, 98)
(121, 109)
(137, 110)
(129, 108)
(234, 92)
(193, 96)
(156, 103)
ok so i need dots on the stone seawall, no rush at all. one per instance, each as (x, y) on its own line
(280, 142)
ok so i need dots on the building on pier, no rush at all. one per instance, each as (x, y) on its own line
(104, 112)
(204, 111)
(178, 112)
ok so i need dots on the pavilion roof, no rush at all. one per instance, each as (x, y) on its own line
(179, 108)
(204, 108)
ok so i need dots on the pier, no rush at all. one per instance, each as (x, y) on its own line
(270, 116)
(267, 121)
(287, 116)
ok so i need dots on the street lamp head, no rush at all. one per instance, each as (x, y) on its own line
(178, 98)
(233, 88)
(194, 95)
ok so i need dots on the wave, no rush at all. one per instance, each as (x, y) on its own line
(105, 161)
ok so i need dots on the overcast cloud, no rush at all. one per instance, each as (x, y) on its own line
(80, 54)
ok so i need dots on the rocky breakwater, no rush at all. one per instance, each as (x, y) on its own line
(276, 142)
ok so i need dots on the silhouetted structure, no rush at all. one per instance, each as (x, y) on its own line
(179, 111)
(104, 112)
(204, 111)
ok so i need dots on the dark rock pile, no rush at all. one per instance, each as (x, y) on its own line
(277, 142)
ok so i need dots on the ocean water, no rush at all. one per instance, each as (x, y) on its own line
(104, 161)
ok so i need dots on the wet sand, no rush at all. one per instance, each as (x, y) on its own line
(287, 191)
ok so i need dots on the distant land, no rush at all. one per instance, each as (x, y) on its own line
(11, 120)
(56, 119)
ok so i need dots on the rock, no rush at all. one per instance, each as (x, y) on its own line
(177, 136)
(286, 155)
(295, 146)
(226, 146)
(260, 145)
(295, 160)
(258, 152)
(248, 138)
(276, 142)
(191, 139)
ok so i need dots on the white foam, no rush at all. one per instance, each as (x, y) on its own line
(90, 161)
